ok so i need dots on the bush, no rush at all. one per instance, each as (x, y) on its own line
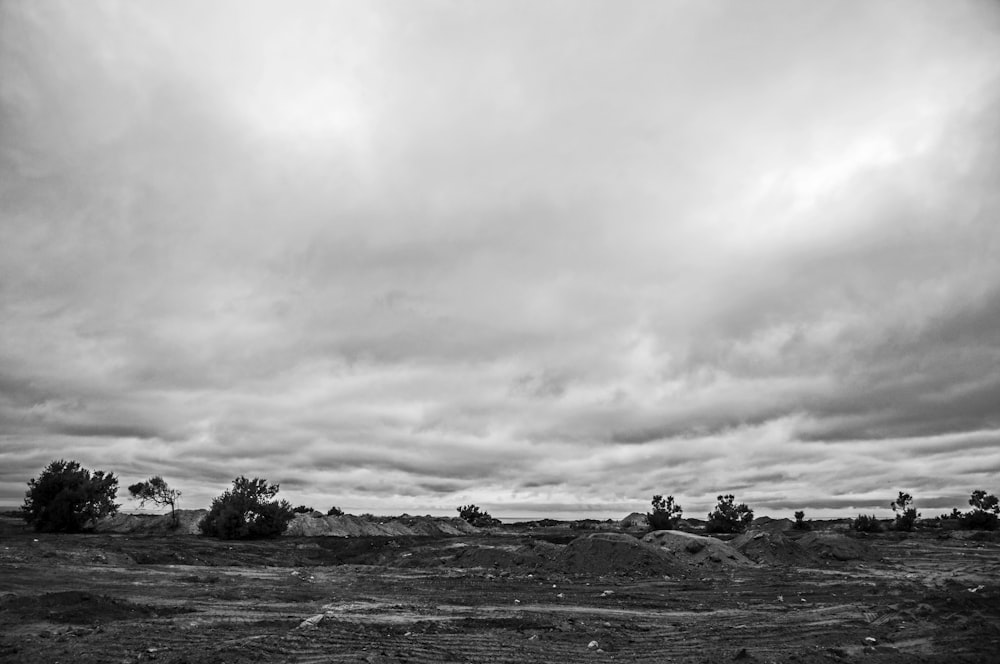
(246, 511)
(477, 517)
(302, 509)
(866, 524)
(335, 511)
(800, 522)
(979, 520)
(729, 517)
(984, 515)
(66, 497)
(665, 514)
(906, 514)
(156, 491)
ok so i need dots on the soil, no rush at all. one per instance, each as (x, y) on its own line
(776, 548)
(546, 594)
(303, 525)
(691, 549)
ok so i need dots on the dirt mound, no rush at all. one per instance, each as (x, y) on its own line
(513, 558)
(614, 553)
(152, 524)
(81, 608)
(635, 520)
(771, 525)
(304, 525)
(772, 548)
(690, 549)
(509, 556)
(834, 546)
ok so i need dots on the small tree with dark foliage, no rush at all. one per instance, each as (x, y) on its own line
(984, 515)
(729, 517)
(665, 514)
(335, 511)
(66, 497)
(247, 511)
(303, 509)
(475, 516)
(906, 514)
(800, 522)
(155, 490)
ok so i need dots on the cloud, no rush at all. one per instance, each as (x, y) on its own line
(554, 257)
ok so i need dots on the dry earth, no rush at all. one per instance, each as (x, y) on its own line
(549, 594)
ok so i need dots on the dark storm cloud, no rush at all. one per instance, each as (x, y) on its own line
(555, 256)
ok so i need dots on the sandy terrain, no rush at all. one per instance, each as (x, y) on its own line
(511, 595)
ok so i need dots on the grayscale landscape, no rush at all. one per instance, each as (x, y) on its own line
(499, 331)
(439, 590)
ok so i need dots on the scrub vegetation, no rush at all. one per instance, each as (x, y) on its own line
(155, 490)
(665, 515)
(477, 517)
(728, 517)
(66, 497)
(247, 511)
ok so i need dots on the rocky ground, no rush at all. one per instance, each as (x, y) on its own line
(513, 594)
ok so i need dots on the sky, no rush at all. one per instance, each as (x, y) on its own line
(550, 258)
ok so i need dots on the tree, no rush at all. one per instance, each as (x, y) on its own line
(155, 490)
(665, 513)
(906, 514)
(986, 503)
(475, 516)
(984, 515)
(303, 509)
(66, 497)
(729, 517)
(335, 511)
(800, 522)
(247, 510)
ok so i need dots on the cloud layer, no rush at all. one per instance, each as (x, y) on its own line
(546, 257)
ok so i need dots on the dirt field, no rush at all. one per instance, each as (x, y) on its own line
(529, 595)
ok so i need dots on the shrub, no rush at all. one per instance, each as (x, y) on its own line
(906, 514)
(66, 497)
(477, 517)
(156, 491)
(800, 522)
(983, 502)
(979, 520)
(665, 513)
(984, 515)
(302, 509)
(729, 517)
(248, 510)
(866, 524)
(335, 511)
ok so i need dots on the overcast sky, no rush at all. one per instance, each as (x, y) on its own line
(548, 257)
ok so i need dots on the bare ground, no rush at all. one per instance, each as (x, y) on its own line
(512, 596)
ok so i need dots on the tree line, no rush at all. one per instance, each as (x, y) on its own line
(66, 497)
